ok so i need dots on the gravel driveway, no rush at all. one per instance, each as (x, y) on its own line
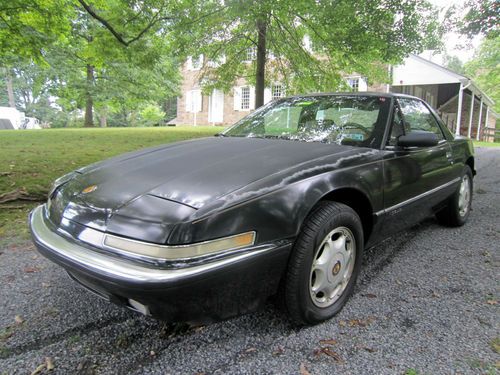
(426, 302)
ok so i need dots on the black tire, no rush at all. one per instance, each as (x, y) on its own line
(451, 215)
(325, 218)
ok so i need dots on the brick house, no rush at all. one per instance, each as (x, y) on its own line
(225, 108)
(440, 87)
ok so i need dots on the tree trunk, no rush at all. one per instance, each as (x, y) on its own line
(89, 104)
(10, 89)
(132, 118)
(261, 63)
(103, 118)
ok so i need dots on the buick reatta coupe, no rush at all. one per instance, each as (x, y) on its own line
(281, 205)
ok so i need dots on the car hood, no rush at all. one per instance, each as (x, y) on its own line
(195, 172)
(167, 184)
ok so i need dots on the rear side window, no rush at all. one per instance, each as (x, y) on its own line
(418, 118)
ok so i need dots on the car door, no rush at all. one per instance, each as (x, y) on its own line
(416, 179)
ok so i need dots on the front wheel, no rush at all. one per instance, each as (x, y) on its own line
(324, 264)
(458, 208)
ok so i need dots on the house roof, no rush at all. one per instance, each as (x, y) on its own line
(458, 76)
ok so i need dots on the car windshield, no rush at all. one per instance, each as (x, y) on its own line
(343, 119)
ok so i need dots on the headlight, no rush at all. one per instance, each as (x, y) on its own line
(172, 252)
(61, 181)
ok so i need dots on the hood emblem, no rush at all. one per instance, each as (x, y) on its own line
(89, 189)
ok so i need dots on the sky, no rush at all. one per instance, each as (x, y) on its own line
(453, 41)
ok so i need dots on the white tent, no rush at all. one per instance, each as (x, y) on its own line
(11, 118)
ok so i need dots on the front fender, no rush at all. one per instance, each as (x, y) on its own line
(279, 213)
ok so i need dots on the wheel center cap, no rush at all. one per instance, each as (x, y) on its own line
(336, 268)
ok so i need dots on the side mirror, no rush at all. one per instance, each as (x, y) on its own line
(418, 139)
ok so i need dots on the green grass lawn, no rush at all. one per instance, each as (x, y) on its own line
(486, 144)
(32, 159)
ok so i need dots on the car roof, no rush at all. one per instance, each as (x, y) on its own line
(364, 93)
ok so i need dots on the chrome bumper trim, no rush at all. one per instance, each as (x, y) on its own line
(115, 268)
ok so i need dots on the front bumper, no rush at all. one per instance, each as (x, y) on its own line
(204, 292)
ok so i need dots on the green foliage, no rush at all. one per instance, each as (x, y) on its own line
(484, 68)
(32, 91)
(52, 45)
(454, 63)
(27, 27)
(481, 17)
(346, 36)
(151, 115)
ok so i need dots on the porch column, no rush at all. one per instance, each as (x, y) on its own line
(480, 118)
(459, 110)
(487, 118)
(471, 113)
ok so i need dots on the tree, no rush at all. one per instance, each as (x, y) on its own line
(454, 63)
(484, 68)
(29, 26)
(308, 44)
(32, 90)
(480, 17)
(92, 48)
(26, 27)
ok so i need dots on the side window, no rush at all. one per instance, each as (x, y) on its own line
(418, 118)
(396, 128)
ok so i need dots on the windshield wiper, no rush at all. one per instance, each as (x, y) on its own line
(269, 136)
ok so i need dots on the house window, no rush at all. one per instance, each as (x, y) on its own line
(277, 91)
(429, 98)
(245, 97)
(354, 83)
(251, 53)
(418, 92)
(195, 63)
(216, 62)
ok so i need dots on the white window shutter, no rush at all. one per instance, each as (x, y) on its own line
(237, 98)
(189, 103)
(306, 43)
(362, 85)
(198, 101)
(252, 97)
(199, 63)
(267, 95)
(210, 105)
(189, 63)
